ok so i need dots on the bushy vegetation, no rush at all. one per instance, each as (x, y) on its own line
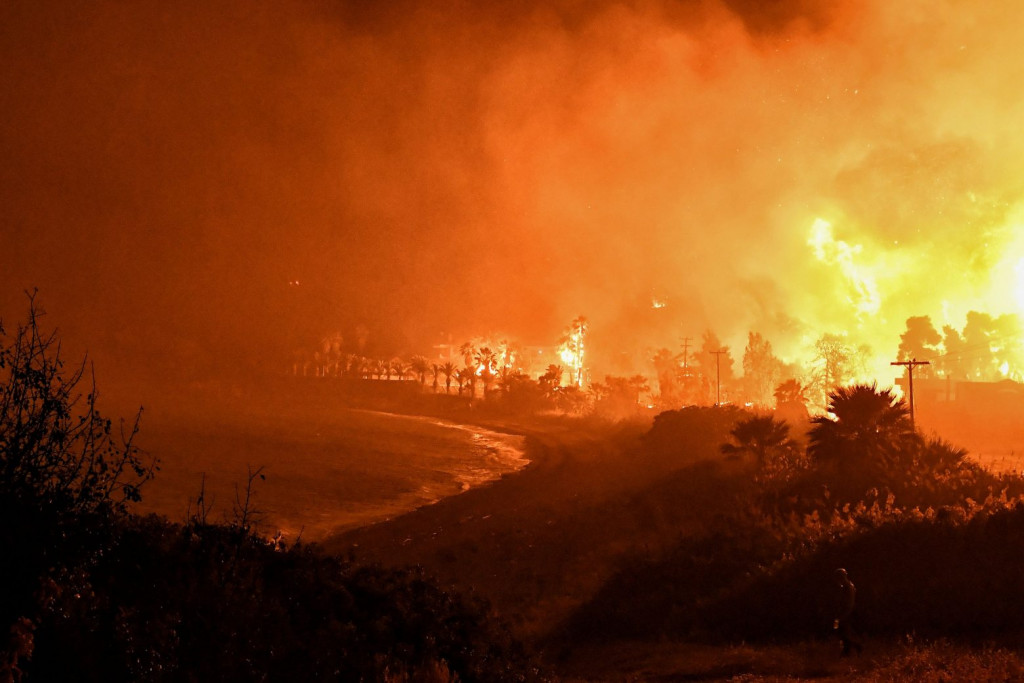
(210, 602)
(693, 433)
(66, 477)
(92, 592)
(930, 538)
(943, 660)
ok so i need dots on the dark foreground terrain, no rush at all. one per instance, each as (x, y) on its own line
(625, 552)
(699, 546)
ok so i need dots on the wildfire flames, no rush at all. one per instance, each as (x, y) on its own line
(876, 286)
(790, 169)
(572, 350)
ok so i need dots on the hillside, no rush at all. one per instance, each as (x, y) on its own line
(627, 552)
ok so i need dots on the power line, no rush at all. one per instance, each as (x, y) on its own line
(686, 348)
(910, 365)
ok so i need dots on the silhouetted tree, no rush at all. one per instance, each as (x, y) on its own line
(638, 386)
(398, 369)
(331, 354)
(551, 380)
(66, 473)
(467, 381)
(420, 366)
(777, 457)
(870, 435)
(448, 370)
(951, 362)
(977, 335)
(791, 401)
(761, 437)
(468, 352)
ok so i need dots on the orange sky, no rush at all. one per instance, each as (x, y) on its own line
(166, 169)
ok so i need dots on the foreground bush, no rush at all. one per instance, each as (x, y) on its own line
(931, 540)
(212, 603)
(66, 476)
(935, 577)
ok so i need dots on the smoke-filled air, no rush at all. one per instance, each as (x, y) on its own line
(227, 184)
(520, 341)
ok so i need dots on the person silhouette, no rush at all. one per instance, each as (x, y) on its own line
(846, 600)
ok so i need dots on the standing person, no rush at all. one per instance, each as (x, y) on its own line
(846, 600)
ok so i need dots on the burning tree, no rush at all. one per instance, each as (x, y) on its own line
(485, 360)
(832, 360)
(573, 348)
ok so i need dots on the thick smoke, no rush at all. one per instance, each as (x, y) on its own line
(199, 185)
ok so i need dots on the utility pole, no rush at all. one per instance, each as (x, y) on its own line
(910, 365)
(686, 348)
(718, 375)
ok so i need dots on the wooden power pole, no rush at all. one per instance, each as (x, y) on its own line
(718, 375)
(910, 365)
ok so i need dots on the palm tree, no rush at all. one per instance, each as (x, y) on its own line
(763, 437)
(791, 391)
(448, 370)
(331, 346)
(870, 434)
(399, 369)
(485, 360)
(435, 370)
(421, 366)
(363, 367)
(638, 385)
(938, 455)
(468, 351)
(791, 402)
(467, 380)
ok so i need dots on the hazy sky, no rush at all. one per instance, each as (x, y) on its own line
(167, 170)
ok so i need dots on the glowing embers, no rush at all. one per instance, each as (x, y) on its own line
(863, 290)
